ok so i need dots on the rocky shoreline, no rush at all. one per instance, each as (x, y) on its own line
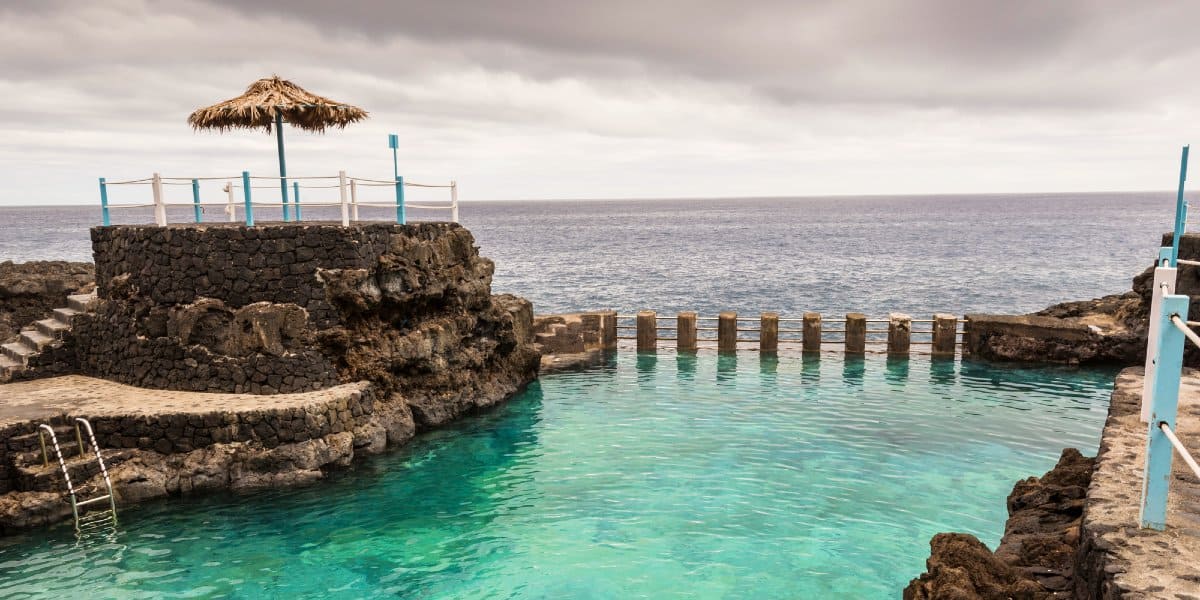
(1036, 556)
(236, 321)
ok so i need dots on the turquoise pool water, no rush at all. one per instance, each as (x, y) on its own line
(664, 476)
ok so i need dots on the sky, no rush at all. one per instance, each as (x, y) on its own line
(554, 99)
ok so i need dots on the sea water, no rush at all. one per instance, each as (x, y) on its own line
(916, 254)
(654, 476)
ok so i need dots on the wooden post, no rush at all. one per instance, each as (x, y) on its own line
(160, 207)
(812, 332)
(249, 202)
(296, 199)
(856, 333)
(899, 334)
(230, 208)
(945, 334)
(196, 211)
(1164, 397)
(342, 191)
(768, 332)
(608, 336)
(647, 331)
(685, 331)
(104, 202)
(727, 331)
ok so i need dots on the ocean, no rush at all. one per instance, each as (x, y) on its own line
(1008, 253)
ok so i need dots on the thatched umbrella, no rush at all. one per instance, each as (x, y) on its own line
(270, 102)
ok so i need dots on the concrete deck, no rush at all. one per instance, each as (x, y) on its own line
(1119, 559)
(41, 399)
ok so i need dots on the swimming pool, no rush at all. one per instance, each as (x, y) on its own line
(654, 476)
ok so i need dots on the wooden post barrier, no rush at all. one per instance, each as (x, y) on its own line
(647, 331)
(899, 334)
(685, 331)
(608, 327)
(727, 331)
(768, 332)
(945, 334)
(856, 333)
(812, 332)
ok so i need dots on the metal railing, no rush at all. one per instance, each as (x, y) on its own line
(1168, 333)
(349, 189)
(1160, 400)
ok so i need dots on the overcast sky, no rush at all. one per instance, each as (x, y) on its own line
(614, 99)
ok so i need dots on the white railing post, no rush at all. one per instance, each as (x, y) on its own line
(1156, 477)
(354, 199)
(342, 192)
(454, 201)
(230, 208)
(160, 209)
(1163, 277)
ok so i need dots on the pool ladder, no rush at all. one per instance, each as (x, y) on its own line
(90, 521)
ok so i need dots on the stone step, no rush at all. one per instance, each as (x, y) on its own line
(66, 315)
(35, 339)
(81, 302)
(33, 458)
(52, 327)
(28, 442)
(18, 351)
(39, 478)
(8, 364)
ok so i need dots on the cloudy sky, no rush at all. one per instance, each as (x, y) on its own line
(616, 99)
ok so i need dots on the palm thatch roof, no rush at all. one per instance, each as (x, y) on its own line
(266, 98)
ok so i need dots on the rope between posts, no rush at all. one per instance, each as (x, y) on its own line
(1181, 326)
(130, 182)
(1187, 456)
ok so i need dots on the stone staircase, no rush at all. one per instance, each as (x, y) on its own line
(14, 356)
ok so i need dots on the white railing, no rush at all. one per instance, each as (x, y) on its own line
(1168, 334)
(348, 196)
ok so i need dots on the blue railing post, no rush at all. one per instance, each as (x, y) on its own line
(196, 200)
(296, 199)
(1181, 208)
(400, 218)
(103, 202)
(1156, 479)
(246, 191)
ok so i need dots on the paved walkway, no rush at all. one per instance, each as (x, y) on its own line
(1143, 563)
(77, 395)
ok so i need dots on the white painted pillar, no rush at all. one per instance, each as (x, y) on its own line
(230, 207)
(1163, 276)
(454, 201)
(354, 200)
(160, 209)
(342, 192)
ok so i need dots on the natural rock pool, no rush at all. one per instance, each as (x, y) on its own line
(655, 476)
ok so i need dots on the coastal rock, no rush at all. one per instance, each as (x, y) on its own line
(404, 312)
(1035, 558)
(960, 567)
(30, 291)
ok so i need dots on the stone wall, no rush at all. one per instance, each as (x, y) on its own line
(283, 308)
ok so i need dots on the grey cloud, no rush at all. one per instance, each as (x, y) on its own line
(1023, 54)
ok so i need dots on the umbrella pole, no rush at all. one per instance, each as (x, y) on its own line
(283, 188)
